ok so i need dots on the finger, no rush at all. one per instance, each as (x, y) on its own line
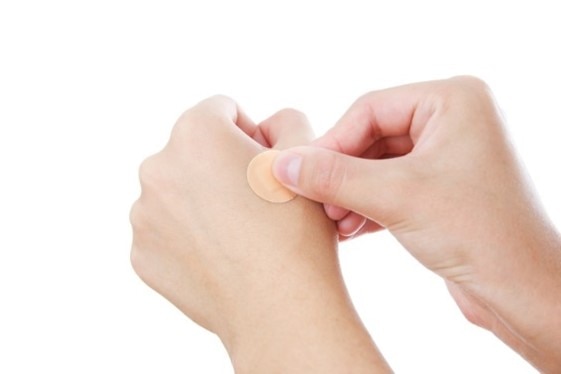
(224, 106)
(350, 224)
(394, 146)
(394, 112)
(216, 120)
(372, 188)
(223, 110)
(286, 128)
(368, 228)
(334, 212)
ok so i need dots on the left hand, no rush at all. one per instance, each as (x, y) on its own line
(264, 277)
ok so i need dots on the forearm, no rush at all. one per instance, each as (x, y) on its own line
(524, 292)
(314, 329)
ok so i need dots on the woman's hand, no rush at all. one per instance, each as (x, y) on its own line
(432, 163)
(264, 277)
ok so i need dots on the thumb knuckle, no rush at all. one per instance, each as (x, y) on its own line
(327, 178)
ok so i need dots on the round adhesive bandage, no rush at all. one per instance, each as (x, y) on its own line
(263, 183)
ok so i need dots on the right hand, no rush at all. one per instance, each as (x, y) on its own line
(431, 162)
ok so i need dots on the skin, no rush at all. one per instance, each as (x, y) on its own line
(264, 277)
(431, 162)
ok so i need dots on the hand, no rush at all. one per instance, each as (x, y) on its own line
(264, 277)
(431, 162)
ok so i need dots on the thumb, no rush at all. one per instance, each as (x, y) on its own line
(372, 188)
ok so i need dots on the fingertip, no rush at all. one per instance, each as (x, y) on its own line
(334, 212)
(351, 224)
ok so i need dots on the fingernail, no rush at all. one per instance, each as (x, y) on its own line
(286, 168)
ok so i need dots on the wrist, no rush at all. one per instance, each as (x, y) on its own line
(523, 291)
(310, 327)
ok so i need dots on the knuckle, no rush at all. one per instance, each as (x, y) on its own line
(210, 113)
(185, 121)
(467, 89)
(220, 98)
(365, 99)
(149, 171)
(210, 104)
(472, 81)
(328, 176)
(292, 114)
(295, 122)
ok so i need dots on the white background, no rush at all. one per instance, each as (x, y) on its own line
(89, 89)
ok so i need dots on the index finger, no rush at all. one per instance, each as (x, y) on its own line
(393, 112)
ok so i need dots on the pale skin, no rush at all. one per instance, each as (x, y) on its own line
(454, 195)
(430, 162)
(264, 277)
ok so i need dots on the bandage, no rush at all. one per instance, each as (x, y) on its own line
(263, 183)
